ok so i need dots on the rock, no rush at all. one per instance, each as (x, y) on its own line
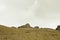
(25, 26)
(36, 27)
(13, 27)
(58, 27)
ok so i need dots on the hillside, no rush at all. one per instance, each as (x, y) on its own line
(28, 33)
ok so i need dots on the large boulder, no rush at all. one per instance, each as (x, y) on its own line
(13, 27)
(36, 27)
(25, 26)
(58, 27)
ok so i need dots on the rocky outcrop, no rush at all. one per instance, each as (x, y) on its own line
(13, 27)
(25, 26)
(58, 27)
(36, 27)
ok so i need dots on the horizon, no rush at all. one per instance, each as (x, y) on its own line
(44, 13)
(29, 24)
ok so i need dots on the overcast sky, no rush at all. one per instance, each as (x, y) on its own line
(43, 13)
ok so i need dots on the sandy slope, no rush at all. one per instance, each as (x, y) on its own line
(28, 34)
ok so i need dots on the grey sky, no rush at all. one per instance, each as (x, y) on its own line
(44, 13)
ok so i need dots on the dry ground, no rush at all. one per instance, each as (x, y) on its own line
(7, 33)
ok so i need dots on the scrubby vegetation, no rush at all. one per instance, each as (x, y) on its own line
(26, 32)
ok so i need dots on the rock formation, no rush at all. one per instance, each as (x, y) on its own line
(58, 27)
(36, 27)
(25, 26)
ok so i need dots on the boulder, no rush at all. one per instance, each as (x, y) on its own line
(58, 27)
(13, 27)
(36, 27)
(25, 26)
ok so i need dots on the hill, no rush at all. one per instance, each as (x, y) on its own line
(29, 33)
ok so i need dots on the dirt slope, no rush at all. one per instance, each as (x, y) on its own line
(7, 33)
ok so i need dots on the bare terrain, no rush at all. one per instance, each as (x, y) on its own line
(26, 32)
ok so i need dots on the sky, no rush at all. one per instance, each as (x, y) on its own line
(42, 13)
